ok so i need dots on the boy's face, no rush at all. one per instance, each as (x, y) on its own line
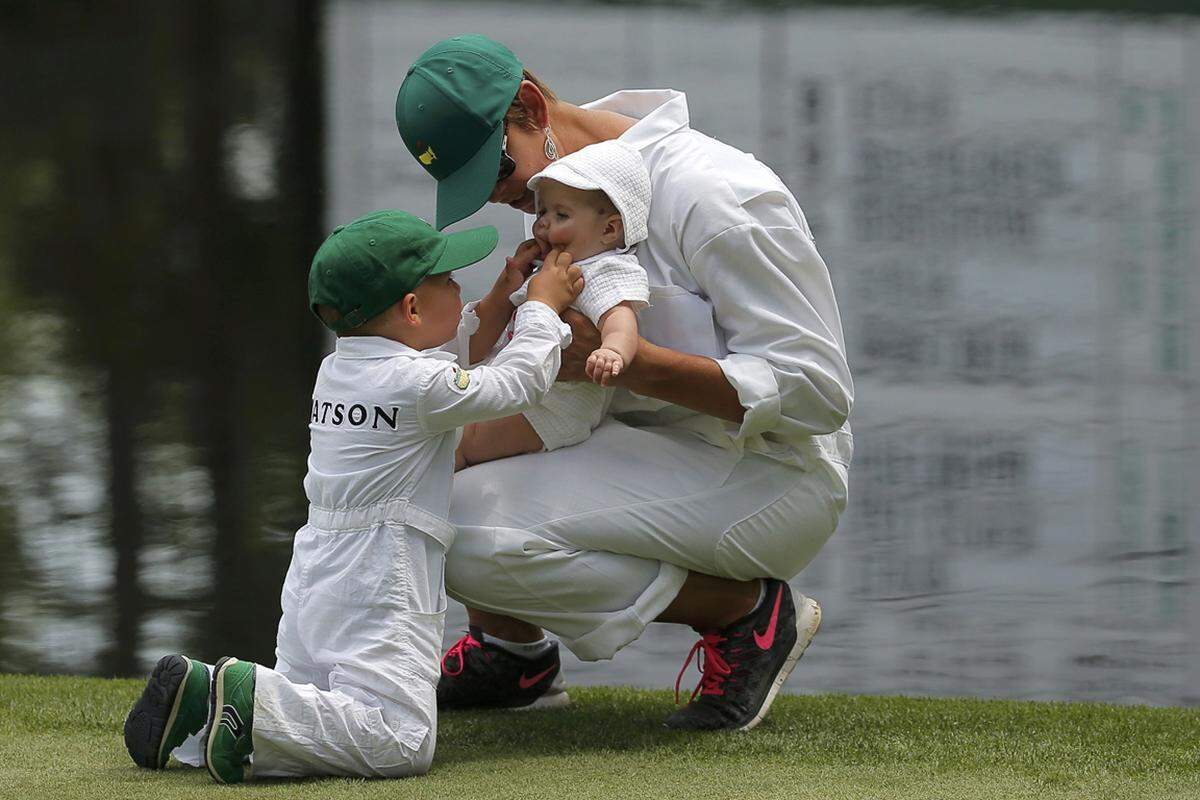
(439, 301)
(568, 219)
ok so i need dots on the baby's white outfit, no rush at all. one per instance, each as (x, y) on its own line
(353, 691)
(571, 411)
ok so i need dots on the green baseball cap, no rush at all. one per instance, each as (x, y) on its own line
(450, 113)
(366, 266)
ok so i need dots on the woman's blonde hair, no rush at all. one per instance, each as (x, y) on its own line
(517, 114)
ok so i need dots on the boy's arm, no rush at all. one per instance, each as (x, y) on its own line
(516, 380)
(496, 309)
(522, 373)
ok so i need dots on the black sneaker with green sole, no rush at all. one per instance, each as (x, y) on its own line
(173, 706)
(230, 740)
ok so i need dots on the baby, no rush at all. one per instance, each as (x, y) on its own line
(594, 205)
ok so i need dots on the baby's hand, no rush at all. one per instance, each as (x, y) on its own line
(603, 365)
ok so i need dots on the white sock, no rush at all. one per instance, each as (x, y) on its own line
(762, 594)
(523, 649)
(191, 749)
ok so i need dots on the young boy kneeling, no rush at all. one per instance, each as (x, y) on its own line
(353, 689)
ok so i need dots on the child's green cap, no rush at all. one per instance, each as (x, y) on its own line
(366, 266)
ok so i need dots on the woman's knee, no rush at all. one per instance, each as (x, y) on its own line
(779, 540)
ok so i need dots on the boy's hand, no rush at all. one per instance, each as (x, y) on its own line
(603, 365)
(557, 283)
(517, 268)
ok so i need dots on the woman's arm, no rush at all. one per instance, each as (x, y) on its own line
(695, 382)
(772, 298)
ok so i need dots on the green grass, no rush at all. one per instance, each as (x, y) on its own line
(60, 737)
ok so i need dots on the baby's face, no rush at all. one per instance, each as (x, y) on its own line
(568, 219)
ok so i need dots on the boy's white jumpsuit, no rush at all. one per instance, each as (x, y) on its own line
(353, 689)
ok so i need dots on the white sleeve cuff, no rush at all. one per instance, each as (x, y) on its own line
(468, 323)
(758, 392)
(538, 313)
(469, 320)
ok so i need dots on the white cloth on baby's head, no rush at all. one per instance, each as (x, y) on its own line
(609, 278)
(615, 168)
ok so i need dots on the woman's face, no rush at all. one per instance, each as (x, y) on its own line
(526, 148)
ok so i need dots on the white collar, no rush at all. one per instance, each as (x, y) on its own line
(615, 251)
(658, 112)
(381, 347)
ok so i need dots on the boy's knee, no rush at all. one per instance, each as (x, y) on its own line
(423, 763)
(418, 763)
(424, 757)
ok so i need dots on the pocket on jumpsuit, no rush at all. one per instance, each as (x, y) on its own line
(678, 319)
(346, 619)
(781, 539)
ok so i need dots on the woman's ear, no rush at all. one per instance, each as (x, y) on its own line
(535, 103)
(613, 234)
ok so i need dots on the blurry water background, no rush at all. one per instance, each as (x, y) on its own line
(1006, 203)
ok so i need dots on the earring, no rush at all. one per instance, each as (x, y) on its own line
(550, 149)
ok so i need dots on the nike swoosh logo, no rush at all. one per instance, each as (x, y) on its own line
(767, 638)
(526, 682)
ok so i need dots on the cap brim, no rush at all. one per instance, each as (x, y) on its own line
(464, 191)
(464, 248)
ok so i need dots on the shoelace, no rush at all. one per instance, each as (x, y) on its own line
(713, 667)
(458, 650)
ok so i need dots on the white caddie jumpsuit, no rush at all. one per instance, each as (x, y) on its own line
(592, 542)
(358, 648)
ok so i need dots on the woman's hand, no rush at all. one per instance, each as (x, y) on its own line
(585, 339)
(691, 381)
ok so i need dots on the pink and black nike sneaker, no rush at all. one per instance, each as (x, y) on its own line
(479, 674)
(744, 664)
